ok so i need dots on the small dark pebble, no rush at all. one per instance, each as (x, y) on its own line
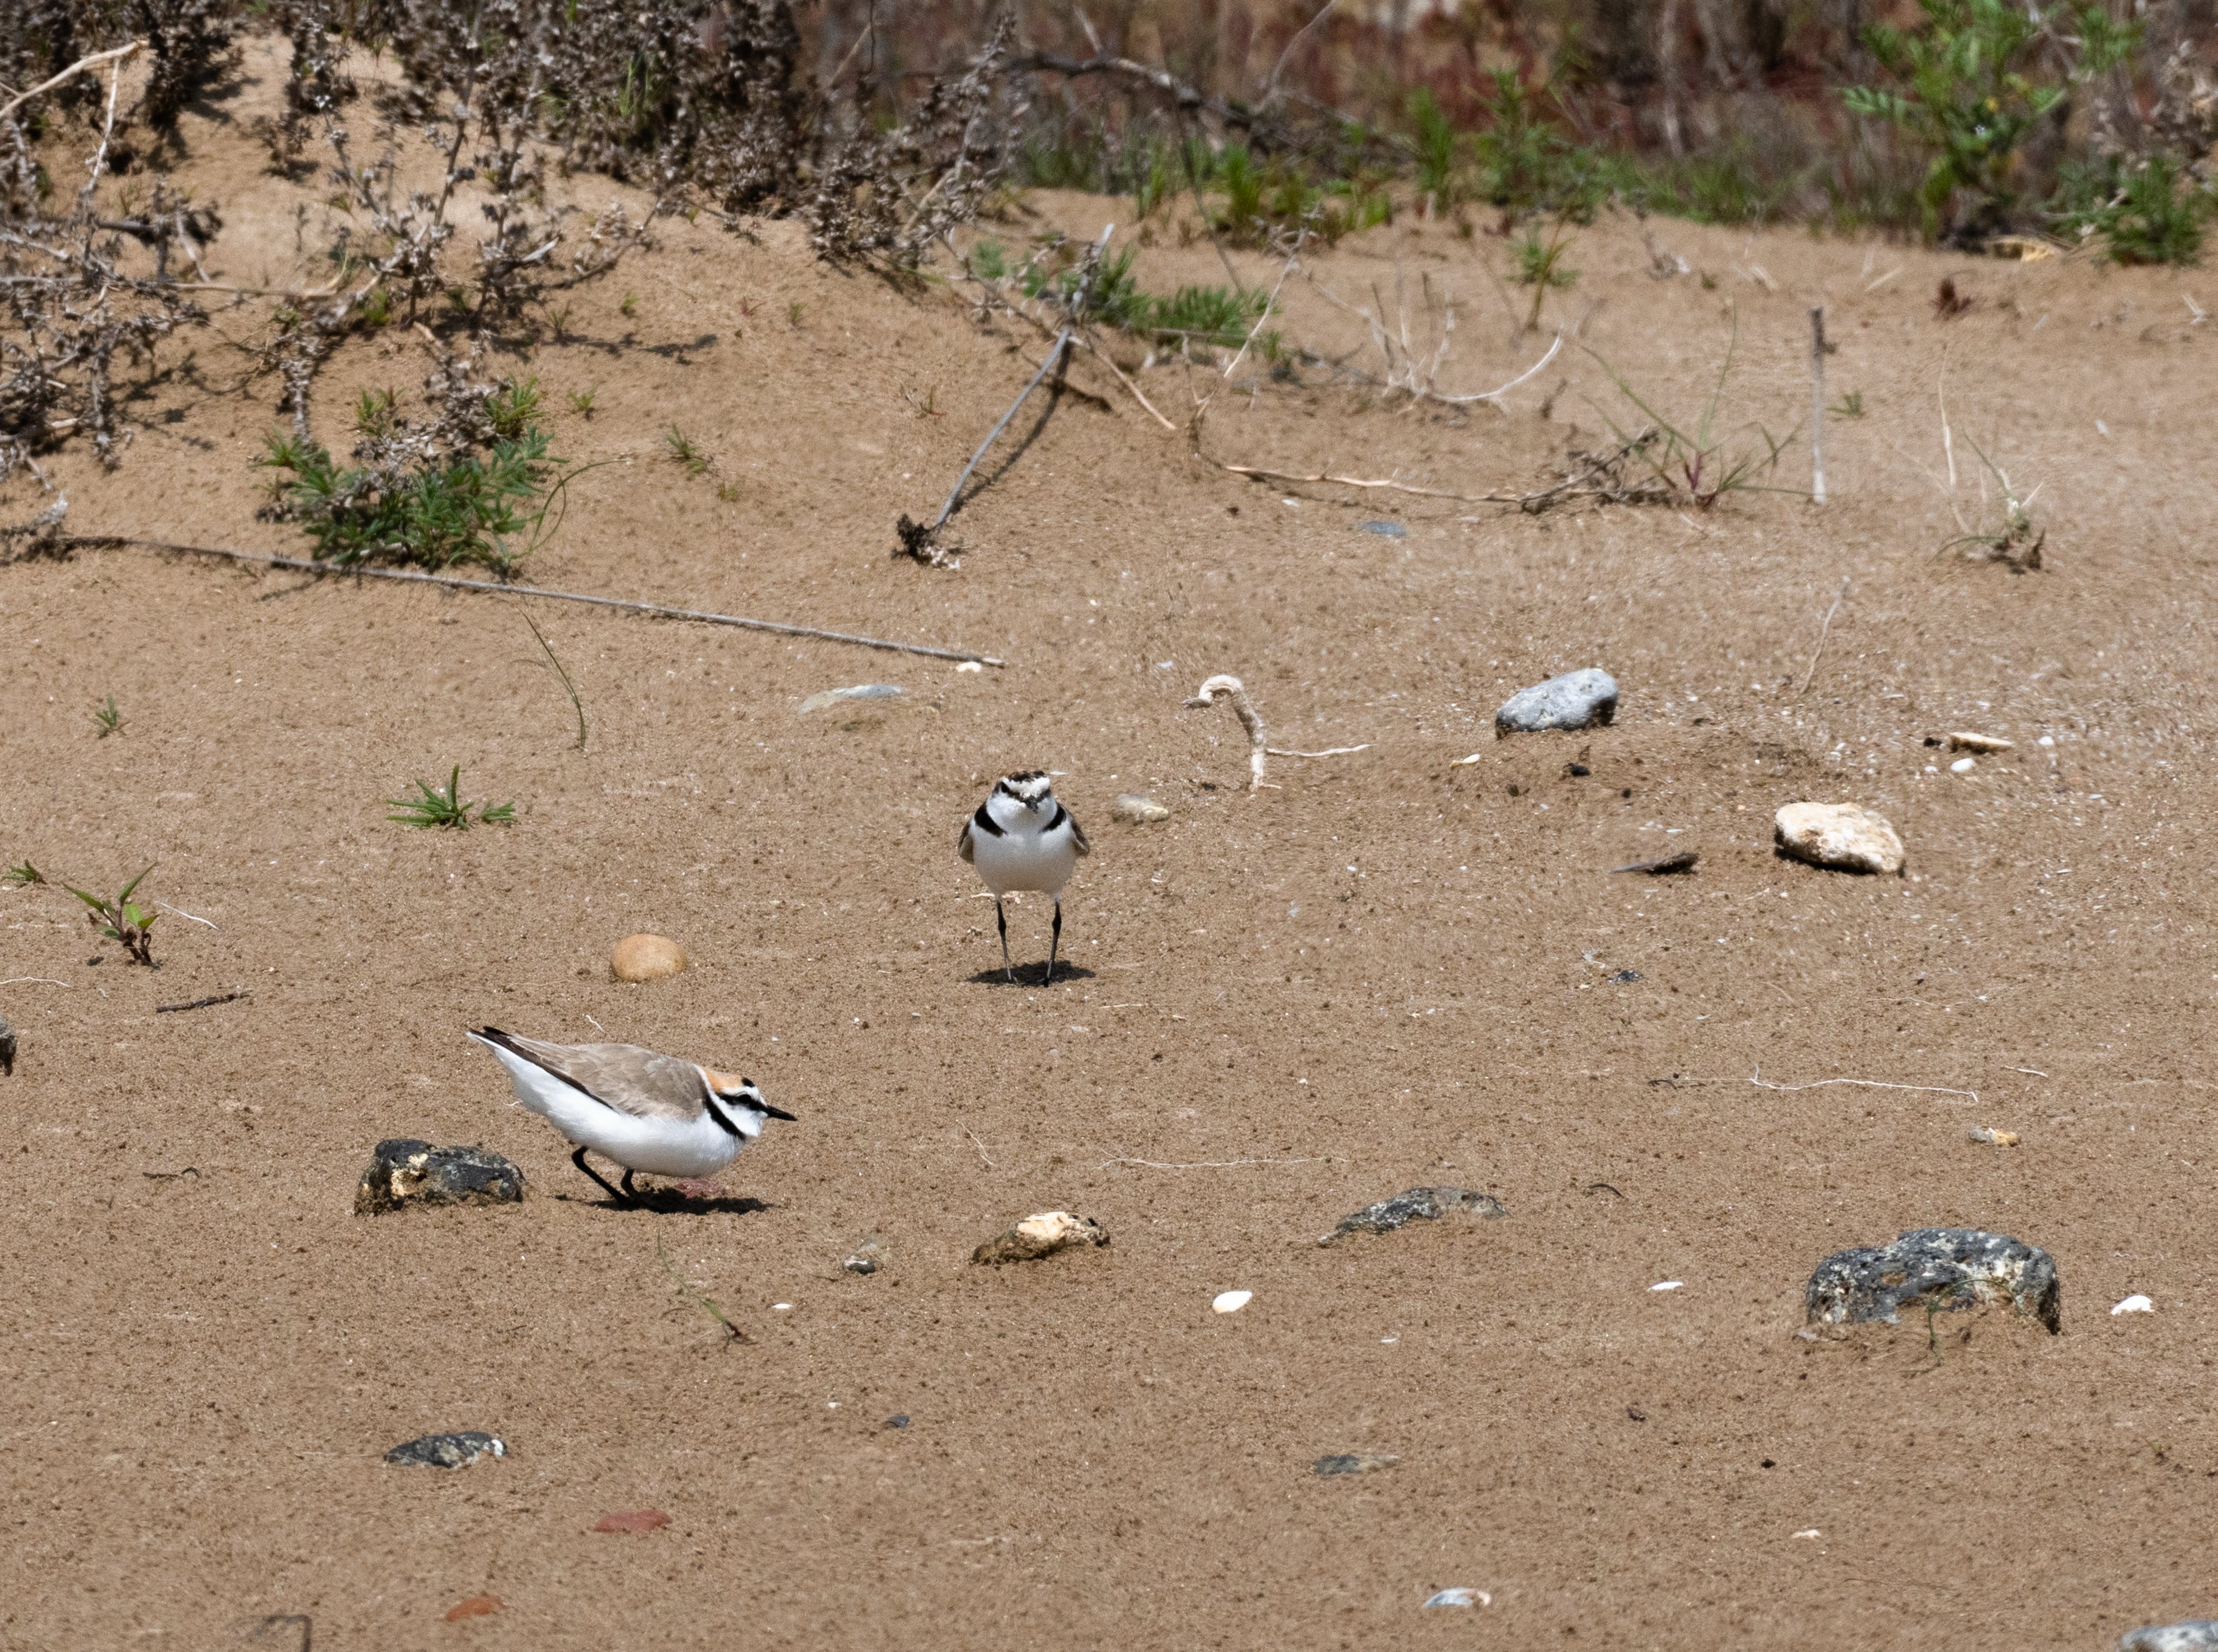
(1767, 1463)
(901, 1421)
(1384, 529)
(1577, 771)
(448, 1450)
(1625, 976)
(7, 1047)
(1682, 861)
(1636, 1413)
(90, 962)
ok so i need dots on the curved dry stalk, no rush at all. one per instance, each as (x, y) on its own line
(1232, 689)
(116, 55)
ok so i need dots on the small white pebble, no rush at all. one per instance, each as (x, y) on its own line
(2136, 1303)
(1232, 1301)
(1812, 1532)
(1389, 1341)
(969, 665)
(781, 1307)
(1668, 1284)
(1962, 766)
(2046, 739)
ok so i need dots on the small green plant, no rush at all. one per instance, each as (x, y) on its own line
(24, 874)
(375, 310)
(728, 492)
(1435, 140)
(630, 306)
(512, 409)
(432, 807)
(683, 449)
(558, 317)
(987, 261)
(463, 509)
(1690, 466)
(375, 413)
(120, 919)
(568, 687)
(1850, 405)
(732, 1332)
(581, 402)
(2151, 212)
(793, 313)
(1972, 83)
(110, 720)
(1540, 265)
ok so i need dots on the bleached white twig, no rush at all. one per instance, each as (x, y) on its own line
(1762, 1083)
(43, 980)
(1205, 1164)
(182, 913)
(117, 55)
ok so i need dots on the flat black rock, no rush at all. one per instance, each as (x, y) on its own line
(1418, 1204)
(1936, 1269)
(447, 1450)
(406, 1173)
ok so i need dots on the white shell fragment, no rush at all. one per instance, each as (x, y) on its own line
(1810, 1531)
(1668, 1285)
(1981, 1133)
(2136, 1303)
(1963, 766)
(1965, 741)
(1232, 1301)
(1461, 1598)
(1838, 834)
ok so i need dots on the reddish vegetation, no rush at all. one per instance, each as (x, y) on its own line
(478, 1605)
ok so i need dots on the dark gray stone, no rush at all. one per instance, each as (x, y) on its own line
(2197, 1635)
(7, 1047)
(1940, 1268)
(448, 1450)
(405, 1173)
(1352, 1462)
(1384, 529)
(1425, 1204)
(1578, 699)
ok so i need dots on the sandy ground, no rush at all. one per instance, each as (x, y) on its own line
(1388, 972)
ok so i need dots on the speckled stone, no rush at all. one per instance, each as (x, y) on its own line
(2196, 1635)
(1943, 1267)
(447, 1450)
(1418, 1204)
(1578, 699)
(647, 957)
(1041, 1235)
(405, 1173)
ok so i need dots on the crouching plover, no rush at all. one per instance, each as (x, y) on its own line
(1022, 838)
(647, 1112)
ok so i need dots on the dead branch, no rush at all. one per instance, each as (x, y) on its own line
(450, 582)
(1232, 689)
(114, 55)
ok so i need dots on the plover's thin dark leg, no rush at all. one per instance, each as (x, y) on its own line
(1054, 941)
(621, 1197)
(1003, 918)
(630, 1192)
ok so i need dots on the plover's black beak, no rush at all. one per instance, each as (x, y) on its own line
(774, 1112)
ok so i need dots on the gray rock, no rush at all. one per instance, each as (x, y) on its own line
(405, 1173)
(823, 698)
(1041, 1235)
(448, 1450)
(7, 1047)
(2197, 1635)
(1938, 1268)
(872, 1252)
(1425, 1204)
(1578, 699)
(1352, 1462)
(1384, 529)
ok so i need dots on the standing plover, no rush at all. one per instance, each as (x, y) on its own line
(647, 1112)
(1022, 838)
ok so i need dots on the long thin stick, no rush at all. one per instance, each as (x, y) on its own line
(1817, 406)
(115, 55)
(1824, 631)
(1762, 1083)
(1054, 356)
(449, 582)
(1261, 474)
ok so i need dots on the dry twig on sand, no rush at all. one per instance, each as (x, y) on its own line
(1409, 369)
(922, 542)
(491, 588)
(1232, 689)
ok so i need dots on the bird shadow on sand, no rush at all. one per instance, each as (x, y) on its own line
(1028, 976)
(674, 1201)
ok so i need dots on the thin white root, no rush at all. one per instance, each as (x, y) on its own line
(1243, 708)
(1233, 689)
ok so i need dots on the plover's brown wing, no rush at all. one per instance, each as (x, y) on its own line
(625, 1076)
(962, 843)
(1077, 831)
